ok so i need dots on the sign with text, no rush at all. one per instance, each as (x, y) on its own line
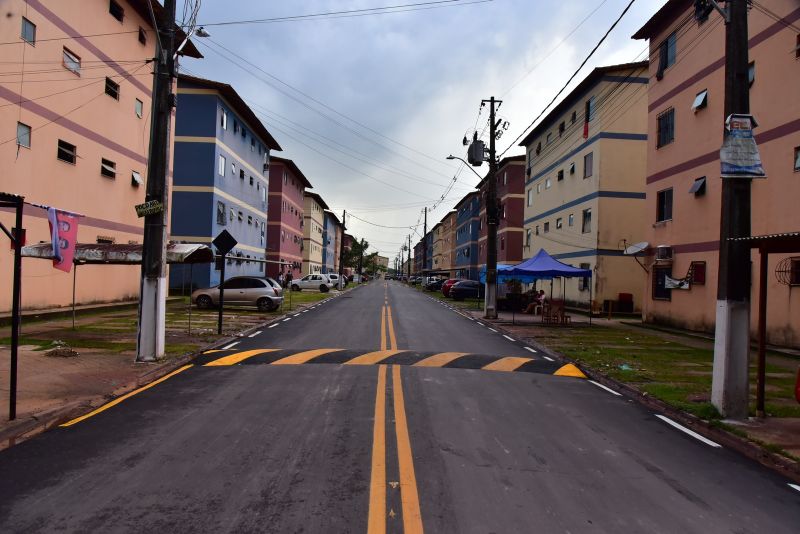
(739, 157)
(149, 208)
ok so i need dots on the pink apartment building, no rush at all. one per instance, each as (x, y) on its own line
(287, 186)
(685, 124)
(74, 132)
(511, 212)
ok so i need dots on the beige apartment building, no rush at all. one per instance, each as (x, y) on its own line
(75, 99)
(685, 123)
(313, 221)
(584, 187)
(438, 246)
(449, 243)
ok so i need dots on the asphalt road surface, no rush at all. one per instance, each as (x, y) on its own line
(382, 410)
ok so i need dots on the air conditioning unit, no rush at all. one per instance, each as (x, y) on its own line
(663, 253)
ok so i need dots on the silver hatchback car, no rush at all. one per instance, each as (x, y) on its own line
(264, 293)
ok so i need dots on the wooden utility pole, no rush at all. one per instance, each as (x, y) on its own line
(730, 381)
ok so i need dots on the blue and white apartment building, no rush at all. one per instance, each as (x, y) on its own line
(467, 234)
(330, 254)
(220, 179)
(585, 183)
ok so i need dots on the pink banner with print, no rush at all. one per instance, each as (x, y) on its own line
(64, 235)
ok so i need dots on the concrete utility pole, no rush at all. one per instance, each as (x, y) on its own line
(409, 258)
(153, 289)
(425, 241)
(490, 302)
(341, 253)
(729, 390)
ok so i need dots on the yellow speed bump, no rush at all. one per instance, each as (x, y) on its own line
(303, 357)
(509, 363)
(239, 357)
(440, 360)
(371, 358)
(570, 370)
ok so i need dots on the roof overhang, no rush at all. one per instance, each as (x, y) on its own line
(113, 254)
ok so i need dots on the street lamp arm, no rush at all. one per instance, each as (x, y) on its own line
(465, 163)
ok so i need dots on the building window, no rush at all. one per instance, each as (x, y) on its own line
(116, 10)
(231, 215)
(221, 213)
(527, 237)
(235, 126)
(538, 148)
(112, 88)
(698, 273)
(67, 152)
(233, 168)
(583, 283)
(108, 168)
(241, 174)
(700, 101)
(572, 168)
(559, 222)
(571, 219)
(23, 135)
(797, 159)
(221, 165)
(72, 62)
(666, 54)
(136, 179)
(244, 133)
(588, 165)
(239, 216)
(794, 273)
(660, 291)
(223, 120)
(549, 137)
(560, 174)
(537, 229)
(530, 191)
(539, 187)
(252, 144)
(797, 48)
(138, 106)
(547, 227)
(548, 183)
(502, 243)
(666, 127)
(250, 220)
(664, 205)
(142, 36)
(698, 188)
(28, 32)
(751, 73)
(574, 117)
(561, 128)
(586, 223)
(251, 180)
(590, 110)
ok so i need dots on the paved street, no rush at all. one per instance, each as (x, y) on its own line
(382, 410)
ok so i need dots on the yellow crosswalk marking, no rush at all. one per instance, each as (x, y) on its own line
(508, 363)
(440, 360)
(237, 357)
(303, 357)
(372, 357)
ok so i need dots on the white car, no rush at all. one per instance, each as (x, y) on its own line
(334, 278)
(320, 282)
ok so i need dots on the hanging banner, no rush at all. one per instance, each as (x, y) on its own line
(63, 235)
(739, 157)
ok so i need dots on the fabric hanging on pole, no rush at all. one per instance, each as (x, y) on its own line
(673, 283)
(64, 235)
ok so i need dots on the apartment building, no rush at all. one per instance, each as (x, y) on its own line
(685, 120)
(313, 227)
(330, 254)
(467, 233)
(448, 243)
(510, 181)
(75, 100)
(220, 179)
(286, 197)
(585, 184)
(419, 257)
(438, 246)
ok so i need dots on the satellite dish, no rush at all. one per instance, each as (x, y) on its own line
(636, 248)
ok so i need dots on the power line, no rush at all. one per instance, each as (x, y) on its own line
(380, 225)
(602, 39)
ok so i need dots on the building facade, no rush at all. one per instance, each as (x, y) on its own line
(438, 246)
(330, 254)
(75, 108)
(685, 124)
(313, 227)
(584, 191)
(510, 180)
(449, 243)
(219, 179)
(286, 197)
(467, 233)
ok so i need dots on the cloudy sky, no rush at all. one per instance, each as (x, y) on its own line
(369, 106)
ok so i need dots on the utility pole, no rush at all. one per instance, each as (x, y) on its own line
(425, 241)
(153, 289)
(409, 258)
(730, 381)
(490, 302)
(341, 253)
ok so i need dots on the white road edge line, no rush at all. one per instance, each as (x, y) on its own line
(478, 323)
(509, 337)
(530, 349)
(794, 486)
(273, 325)
(687, 431)
(226, 347)
(548, 358)
(492, 329)
(304, 311)
(296, 315)
(254, 334)
(287, 319)
(601, 386)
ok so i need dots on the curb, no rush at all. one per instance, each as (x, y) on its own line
(23, 429)
(744, 446)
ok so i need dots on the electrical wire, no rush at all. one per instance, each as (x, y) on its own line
(380, 225)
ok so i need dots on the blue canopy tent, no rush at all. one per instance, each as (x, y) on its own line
(541, 267)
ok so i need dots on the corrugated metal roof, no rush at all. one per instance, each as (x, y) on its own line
(113, 254)
(768, 237)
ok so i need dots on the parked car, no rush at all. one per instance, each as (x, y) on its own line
(264, 293)
(467, 289)
(448, 284)
(313, 281)
(334, 278)
(434, 284)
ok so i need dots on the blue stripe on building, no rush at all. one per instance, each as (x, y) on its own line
(601, 135)
(590, 196)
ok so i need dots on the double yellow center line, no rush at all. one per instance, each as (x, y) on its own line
(378, 487)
